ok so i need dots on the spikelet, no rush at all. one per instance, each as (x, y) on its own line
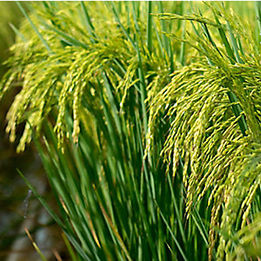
(55, 81)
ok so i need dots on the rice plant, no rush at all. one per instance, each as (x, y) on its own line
(146, 116)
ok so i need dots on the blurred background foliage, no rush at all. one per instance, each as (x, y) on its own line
(10, 15)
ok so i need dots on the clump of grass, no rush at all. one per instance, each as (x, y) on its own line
(147, 120)
(214, 109)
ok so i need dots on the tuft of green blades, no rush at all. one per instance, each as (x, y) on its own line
(213, 106)
(147, 121)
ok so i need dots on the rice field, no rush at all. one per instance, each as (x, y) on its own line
(146, 117)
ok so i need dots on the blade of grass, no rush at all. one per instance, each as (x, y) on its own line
(172, 234)
(69, 248)
(17, 32)
(67, 38)
(149, 26)
(43, 258)
(88, 22)
(34, 27)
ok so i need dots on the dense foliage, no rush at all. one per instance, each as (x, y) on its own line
(147, 119)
